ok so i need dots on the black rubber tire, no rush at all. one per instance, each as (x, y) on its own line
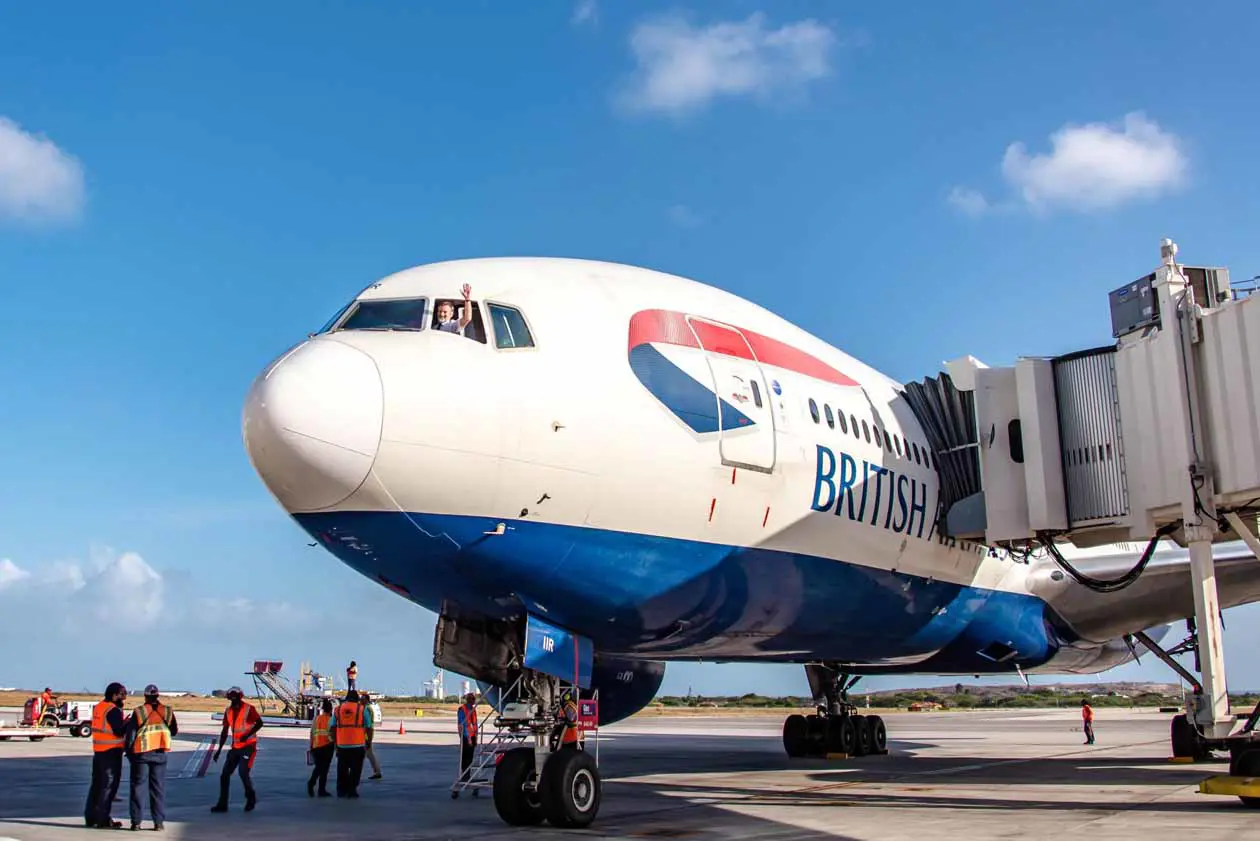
(861, 736)
(795, 736)
(516, 806)
(841, 735)
(1246, 764)
(83, 729)
(1186, 741)
(879, 734)
(816, 735)
(570, 789)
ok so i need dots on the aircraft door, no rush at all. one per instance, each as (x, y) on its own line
(745, 416)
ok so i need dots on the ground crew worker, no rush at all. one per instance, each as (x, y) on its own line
(371, 716)
(350, 737)
(352, 676)
(1087, 713)
(109, 727)
(467, 734)
(322, 750)
(244, 722)
(46, 699)
(572, 732)
(151, 729)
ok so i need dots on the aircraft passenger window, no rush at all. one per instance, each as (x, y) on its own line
(844, 424)
(853, 423)
(866, 430)
(406, 314)
(874, 433)
(897, 441)
(813, 410)
(756, 394)
(510, 329)
(888, 441)
(831, 419)
(914, 448)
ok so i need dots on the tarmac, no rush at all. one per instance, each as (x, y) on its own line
(972, 775)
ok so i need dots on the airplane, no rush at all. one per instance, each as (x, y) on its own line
(613, 468)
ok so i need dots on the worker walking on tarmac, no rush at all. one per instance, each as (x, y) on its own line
(322, 750)
(371, 717)
(350, 737)
(352, 676)
(467, 735)
(150, 731)
(1087, 714)
(109, 727)
(244, 722)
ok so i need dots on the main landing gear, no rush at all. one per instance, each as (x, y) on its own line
(836, 728)
(559, 784)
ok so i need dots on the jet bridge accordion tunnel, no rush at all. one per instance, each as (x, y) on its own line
(1112, 443)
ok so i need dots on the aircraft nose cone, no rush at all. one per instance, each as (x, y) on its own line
(312, 424)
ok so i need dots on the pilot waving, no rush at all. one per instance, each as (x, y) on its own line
(446, 313)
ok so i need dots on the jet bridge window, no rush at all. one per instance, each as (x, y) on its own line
(394, 314)
(510, 329)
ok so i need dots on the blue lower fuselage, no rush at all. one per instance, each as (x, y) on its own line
(663, 598)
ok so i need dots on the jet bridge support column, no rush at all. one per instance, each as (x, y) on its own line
(1211, 711)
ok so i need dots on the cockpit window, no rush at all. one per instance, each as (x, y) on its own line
(510, 329)
(448, 315)
(407, 314)
(328, 325)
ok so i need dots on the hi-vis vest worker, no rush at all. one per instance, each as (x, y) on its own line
(572, 727)
(321, 731)
(350, 730)
(241, 723)
(103, 737)
(154, 731)
(468, 721)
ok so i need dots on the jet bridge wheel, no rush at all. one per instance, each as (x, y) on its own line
(1246, 764)
(570, 789)
(1186, 741)
(516, 805)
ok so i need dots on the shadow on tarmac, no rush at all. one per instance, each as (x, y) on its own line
(413, 801)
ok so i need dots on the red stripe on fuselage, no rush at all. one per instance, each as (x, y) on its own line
(671, 328)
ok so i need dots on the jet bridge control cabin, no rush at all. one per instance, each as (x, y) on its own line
(1155, 436)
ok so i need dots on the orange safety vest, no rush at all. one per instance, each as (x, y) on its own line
(153, 728)
(321, 731)
(350, 730)
(470, 721)
(572, 729)
(240, 724)
(1087, 713)
(103, 737)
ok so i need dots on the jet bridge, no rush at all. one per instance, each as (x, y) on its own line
(1156, 435)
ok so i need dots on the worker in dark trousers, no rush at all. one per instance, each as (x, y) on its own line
(1087, 715)
(350, 736)
(244, 722)
(322, 750)
(467, 719)
(149, 734)
(109, 730)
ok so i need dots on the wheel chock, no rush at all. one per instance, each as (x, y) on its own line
(1232, 786)
(1186, 760)
(835, 756)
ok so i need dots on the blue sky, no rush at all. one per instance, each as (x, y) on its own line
(185, 191)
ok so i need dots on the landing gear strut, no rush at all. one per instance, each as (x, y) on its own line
(835, 728)
(550, 781)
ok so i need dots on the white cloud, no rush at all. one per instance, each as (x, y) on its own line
(11, 573)
(683, 216)
(586, 11)
(1092, 167)
(38, 181)
(968, 201)
(682, 67)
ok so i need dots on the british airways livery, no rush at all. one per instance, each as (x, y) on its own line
(646, 468)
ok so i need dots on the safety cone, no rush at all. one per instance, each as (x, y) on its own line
(402, 731)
